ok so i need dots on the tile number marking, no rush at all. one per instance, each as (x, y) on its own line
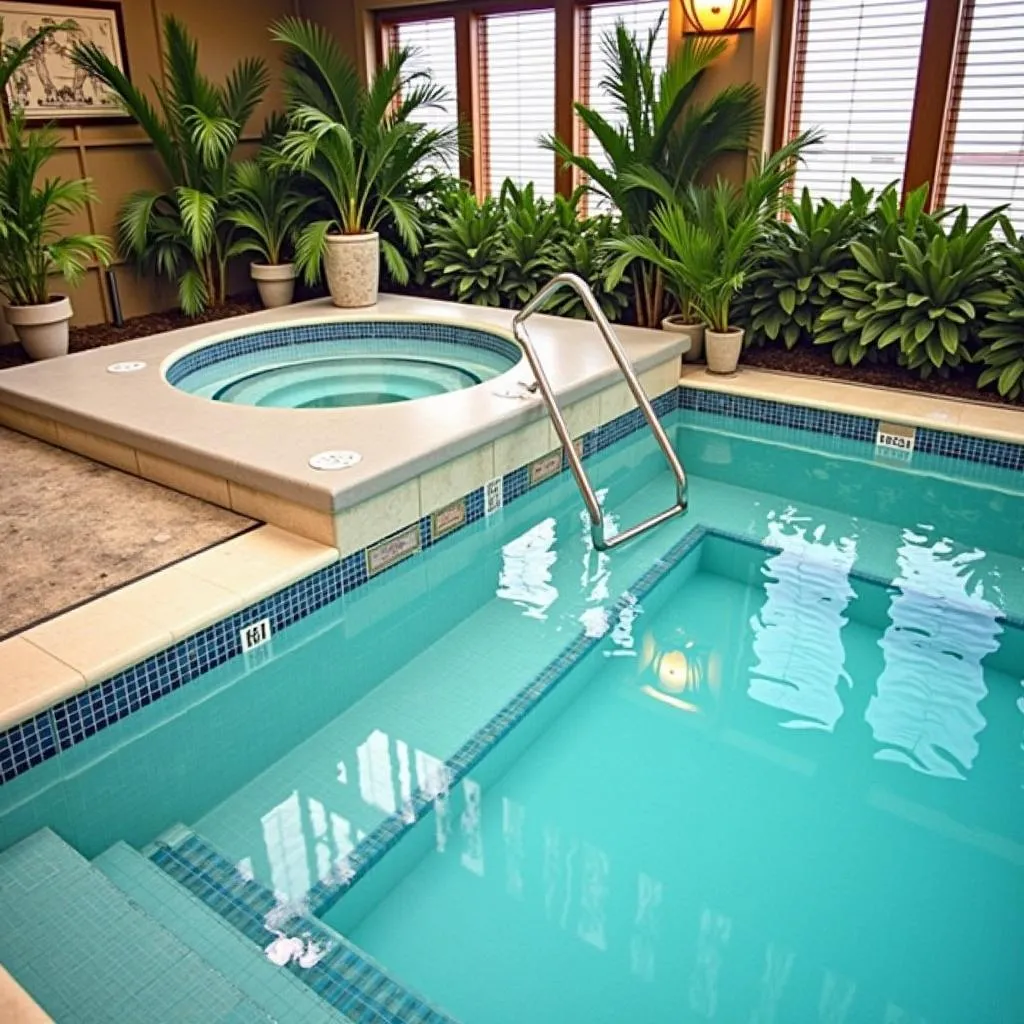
(254, 635)
(896, 439)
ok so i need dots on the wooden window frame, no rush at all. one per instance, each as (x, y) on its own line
(941, 39)
(471, 101)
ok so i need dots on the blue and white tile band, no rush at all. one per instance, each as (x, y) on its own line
(385, 334)
(46, 734)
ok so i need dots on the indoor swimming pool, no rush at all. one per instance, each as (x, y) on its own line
(763, 763)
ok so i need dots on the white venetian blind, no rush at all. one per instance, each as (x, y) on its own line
(640, 17)
(432, 45)
(854, 76)
(984, 159)
(517, 77)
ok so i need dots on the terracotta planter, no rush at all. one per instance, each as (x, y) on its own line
(43, 329)
(694, 331)
(276, 282)
(723, 349)
(352, 264)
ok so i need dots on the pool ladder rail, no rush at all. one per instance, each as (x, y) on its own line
(580, 287)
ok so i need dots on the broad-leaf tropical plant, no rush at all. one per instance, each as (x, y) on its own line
(798, 263)
(33, 211)
(182, 230)
(1002, 355)
(464, 251)
(917, 289)
(658, 124)
(364, 148)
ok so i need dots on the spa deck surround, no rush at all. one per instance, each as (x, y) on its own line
(416, 456)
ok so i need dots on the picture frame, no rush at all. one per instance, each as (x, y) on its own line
(49, 88)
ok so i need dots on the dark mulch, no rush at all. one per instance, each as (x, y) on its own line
(99, 335)
(818, 363)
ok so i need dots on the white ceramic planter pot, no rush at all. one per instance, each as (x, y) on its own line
(695, 332)
(276, 282)
(42, 330)
(352, 264)
(723, 349)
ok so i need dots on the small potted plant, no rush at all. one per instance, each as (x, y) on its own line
(32, 245)
(366, 153)
(687, 322)
(266, 210)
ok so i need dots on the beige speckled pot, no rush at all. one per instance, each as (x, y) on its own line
(276, 282)
(694, 331)
(42, 330)
(723, 349)
(352, 264)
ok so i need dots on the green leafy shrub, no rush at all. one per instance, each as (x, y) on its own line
(501, 250)
(917, 290)
(1003, 352)
(798, 264)
(464, 249)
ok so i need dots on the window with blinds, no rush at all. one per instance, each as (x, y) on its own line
(432, 46)
(640, 17)
(854, 76)
(983, 165)
(517, 98)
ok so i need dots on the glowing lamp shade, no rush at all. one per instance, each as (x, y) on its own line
(714, 17)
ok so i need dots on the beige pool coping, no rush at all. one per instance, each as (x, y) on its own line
(139, 422)
(70, 652)
(960, 416)
(16, 1005)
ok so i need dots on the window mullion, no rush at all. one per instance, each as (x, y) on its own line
(940, 42)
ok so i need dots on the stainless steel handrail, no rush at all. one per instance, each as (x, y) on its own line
(578, 285)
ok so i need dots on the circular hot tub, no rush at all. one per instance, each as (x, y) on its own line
(335, 364)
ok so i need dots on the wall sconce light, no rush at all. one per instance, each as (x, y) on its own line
(717, 17)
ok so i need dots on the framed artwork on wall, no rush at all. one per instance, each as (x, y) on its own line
(48, 87)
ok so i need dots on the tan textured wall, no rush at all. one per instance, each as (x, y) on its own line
(118, 158)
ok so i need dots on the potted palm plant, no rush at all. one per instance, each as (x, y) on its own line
(366, 153)
(181, 230)
(704, 244)
(266, 210)
(32, 244)
(686, 321)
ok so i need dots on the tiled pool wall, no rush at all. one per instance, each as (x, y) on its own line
(73, 720)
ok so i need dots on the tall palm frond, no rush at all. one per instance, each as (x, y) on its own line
(182, 230)
(364, 149)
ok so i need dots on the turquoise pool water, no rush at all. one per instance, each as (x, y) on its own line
(345, 372)
(786, 786)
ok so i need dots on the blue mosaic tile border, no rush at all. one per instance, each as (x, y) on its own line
(343, 976)
(74, 720)
(849, 425)
(380, 331)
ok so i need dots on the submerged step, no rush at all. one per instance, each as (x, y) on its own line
(278, 993)
(86, 953)
(319, 957)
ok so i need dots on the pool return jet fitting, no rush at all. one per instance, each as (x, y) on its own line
(580, 287)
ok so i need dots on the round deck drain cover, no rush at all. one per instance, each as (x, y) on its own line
(128, 367)
(335, 459)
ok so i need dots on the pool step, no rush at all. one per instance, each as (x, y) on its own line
(339, 972)
(86, 953)
(276, 991)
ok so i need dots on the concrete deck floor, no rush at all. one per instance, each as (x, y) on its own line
(71, 529)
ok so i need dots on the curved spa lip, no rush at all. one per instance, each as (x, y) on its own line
(332, 364)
